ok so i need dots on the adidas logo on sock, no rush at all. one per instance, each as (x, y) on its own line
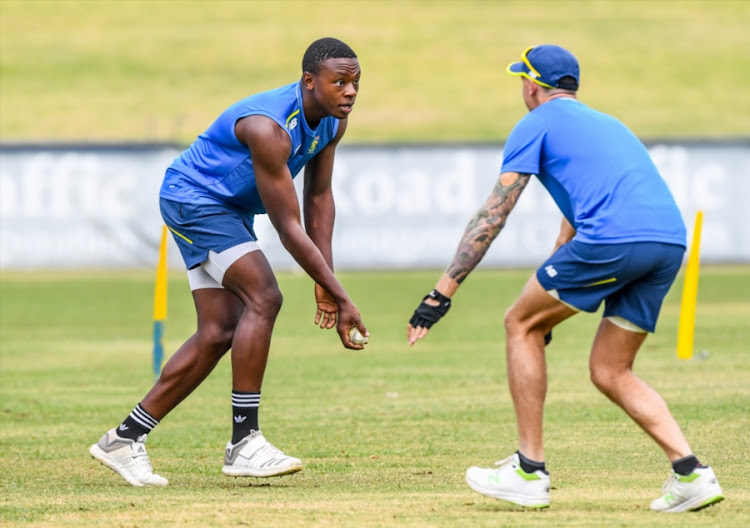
(123, 427)
(240, 419)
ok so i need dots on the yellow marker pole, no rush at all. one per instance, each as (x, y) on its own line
(160, 303)
(686, 328)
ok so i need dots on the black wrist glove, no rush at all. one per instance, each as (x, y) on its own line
(426, 315)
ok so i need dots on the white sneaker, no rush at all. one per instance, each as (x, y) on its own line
(254, 456)
(511, 483)
(682, 493)
(128, 458)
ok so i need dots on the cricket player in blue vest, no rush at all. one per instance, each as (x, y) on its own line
(241, 166)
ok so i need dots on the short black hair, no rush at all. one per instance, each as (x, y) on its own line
(568, 83)
(323, 49)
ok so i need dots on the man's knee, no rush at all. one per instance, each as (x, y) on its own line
(520, 324)
(262, 301)
(268, 301)
(215, 338)
(599, 377)
(605, 377)
(512, 321)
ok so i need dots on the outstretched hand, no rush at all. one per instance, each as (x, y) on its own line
(325, 316)
(434, 305)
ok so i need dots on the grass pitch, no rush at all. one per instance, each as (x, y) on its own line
(385, 434)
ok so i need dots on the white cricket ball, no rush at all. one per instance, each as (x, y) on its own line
(356, 337)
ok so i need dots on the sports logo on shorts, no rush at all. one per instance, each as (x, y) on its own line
(551, 271)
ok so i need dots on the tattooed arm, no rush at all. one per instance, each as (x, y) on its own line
(482, 230)
(479, 234)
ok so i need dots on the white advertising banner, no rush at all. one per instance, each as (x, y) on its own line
(397, 206)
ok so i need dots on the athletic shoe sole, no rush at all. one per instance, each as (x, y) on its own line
(232, 471)
(697, 503)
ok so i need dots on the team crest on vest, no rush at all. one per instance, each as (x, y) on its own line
(314, 145)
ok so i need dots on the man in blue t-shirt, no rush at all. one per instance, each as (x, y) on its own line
(621, 242)
(243, 165)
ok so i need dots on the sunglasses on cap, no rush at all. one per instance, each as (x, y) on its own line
(533, 74)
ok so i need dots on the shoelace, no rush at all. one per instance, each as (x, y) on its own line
(268, 449)
(501, 463)
(668, 484)
(504, 461)
(141, 460)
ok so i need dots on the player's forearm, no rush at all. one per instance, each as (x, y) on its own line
(447, 285)
(475, 242)
(483, 229)
(320, 214)
(309, 257)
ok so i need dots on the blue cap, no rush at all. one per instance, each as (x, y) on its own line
(546, 65)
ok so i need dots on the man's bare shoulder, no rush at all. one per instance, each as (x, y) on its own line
(259, 130)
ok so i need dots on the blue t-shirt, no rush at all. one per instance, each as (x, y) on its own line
(217, 168)
(597, 171)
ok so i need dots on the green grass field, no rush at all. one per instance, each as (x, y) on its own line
(385, 434)
(433, 70)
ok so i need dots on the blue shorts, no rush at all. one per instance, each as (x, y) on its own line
(632, 279)
(198, 228)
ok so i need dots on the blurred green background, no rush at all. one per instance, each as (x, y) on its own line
(432, 70)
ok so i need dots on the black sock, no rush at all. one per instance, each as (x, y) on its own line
(138, 423)
(244, 414)
(528, 465)
(685, 465)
